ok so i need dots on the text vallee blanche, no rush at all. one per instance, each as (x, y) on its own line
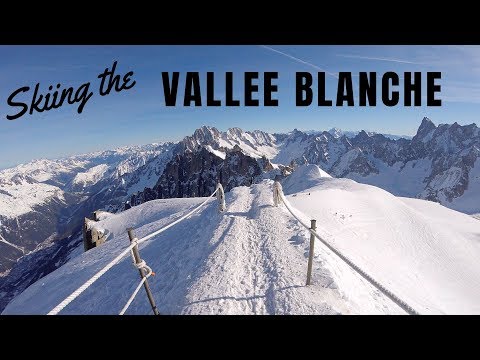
(193, 94)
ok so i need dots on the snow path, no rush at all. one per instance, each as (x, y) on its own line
(251, 259)
(250, 272)
(256, 264)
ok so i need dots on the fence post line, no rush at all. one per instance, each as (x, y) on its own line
(313, 226)
(221, 197)
(136, 255)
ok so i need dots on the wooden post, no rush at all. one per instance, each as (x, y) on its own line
(220, 197)
(277, 189)
(313, 226)
(86, 236)
(275, 193)
(136, 255)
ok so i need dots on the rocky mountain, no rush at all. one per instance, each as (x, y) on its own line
(43, 203)
(439, 163)
(234, 158)
(193, 174)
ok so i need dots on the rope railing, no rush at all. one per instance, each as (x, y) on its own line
(149, 272)
(134, 244)
(279, 197)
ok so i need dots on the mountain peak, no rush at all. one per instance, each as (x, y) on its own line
(425, 128)
(205, 134)
(235, 132)
(205, 131)
(335, 132)
(363, 135)
(427, 123)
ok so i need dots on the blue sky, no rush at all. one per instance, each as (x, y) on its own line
(138, 116)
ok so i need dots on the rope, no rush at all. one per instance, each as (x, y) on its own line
(145, 238)
(141, 265)
(89, 282)
(107, 267)
(133, 296)
(402, 304)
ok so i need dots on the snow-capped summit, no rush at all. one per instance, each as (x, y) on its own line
(253, 143)
(336, 132)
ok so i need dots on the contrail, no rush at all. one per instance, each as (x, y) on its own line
(380, 59)
(299, 60)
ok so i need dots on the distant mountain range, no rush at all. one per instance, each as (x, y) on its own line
(336, 132)
(43, 203)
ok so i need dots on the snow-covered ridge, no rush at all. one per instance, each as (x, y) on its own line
(252, 258)
(21, 197)
(91, 176)
(422, 250)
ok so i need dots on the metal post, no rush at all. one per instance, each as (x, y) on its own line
(313, 226)
(275, 193)
(136, 255)
(220, 197)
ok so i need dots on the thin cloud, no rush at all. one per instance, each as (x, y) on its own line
(299, 60)
(380, 59)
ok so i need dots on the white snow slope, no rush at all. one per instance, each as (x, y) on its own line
(252, 259)
(422, 251)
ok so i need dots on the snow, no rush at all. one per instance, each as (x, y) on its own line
(147, 176)
(252, 258)
(468, 202)
(20, 198)
(42, 170)
(38, 182)
(336, 133)
(422, 251)
(218, 153)
(91, 176)
(304, 177)
(401, 179)
(102, 215)
(344, 163)
(289, 151)
(249, 260)
(253, 143)
(447, 179)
